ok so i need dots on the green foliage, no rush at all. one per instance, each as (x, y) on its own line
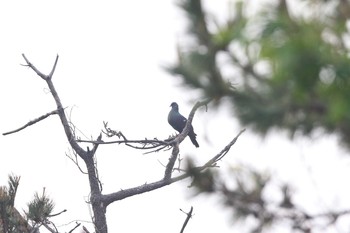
(10, 219)
(291, 70)
(40, 208)
(278, 69)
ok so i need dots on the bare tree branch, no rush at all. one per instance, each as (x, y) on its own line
(179, 138)
(189, 215)
(43, 76)
(154, 142)
(98, 201)
(49, 228)
(154, 145)
(75, 227)
(169, 167)
(117, 196)
(53, 68)
(53, 215)
(88, 156)
(60, 109)
(224, 151)
(76, 162)
(32, 122)
(185, 131)
(85, 230)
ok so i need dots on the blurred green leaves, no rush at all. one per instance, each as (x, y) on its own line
(306, 80)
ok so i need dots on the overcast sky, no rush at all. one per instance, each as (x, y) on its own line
(110, 69)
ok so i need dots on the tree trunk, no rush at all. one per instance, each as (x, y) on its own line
(98, 206)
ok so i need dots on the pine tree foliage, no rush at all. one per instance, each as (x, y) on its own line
(281, 67)
(40, 208)
(10, 219)
(38, 214)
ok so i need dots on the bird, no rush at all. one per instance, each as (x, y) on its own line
(178, 122)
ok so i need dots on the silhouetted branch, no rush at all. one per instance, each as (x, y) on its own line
(153, 142)
(95, 185)
(147, 144)
(43, 76)
(224, 151)
(116, 196)
(49, 228)
(76, 162)
(189, 215)
(169, 167)
(99, 201)
(60, 109)
(32, 122)
(85, 230)
(185, 131)
(93, 151)
(53, 215)
(179, 138)
(75, 227)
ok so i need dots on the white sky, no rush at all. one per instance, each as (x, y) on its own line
(111, 54)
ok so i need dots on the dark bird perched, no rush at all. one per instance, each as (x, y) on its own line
(178, 122)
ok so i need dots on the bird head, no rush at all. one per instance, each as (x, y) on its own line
(174, 105)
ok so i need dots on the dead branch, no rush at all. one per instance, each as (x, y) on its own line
(185, 131)
(99, 201)
(87, 155)
(32, 122)
(49, 228)
(169, 167)
(85, 230)
(43, 76)
(224, 151)
(189, 215)
(76, 162)
(153, 142)
(53, 215)
(60, 109)
(179, 138)
(154, 145)
(75, 227)
(125, 193)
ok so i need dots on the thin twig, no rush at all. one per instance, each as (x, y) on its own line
(49, 228)
(32, 122)
(93, 151)
(76, 162)
(224, 151)
(53, 68)
(85, 230)
(30, 65)
(53, 215)
(124, 193)
(189, 215)
(141, 141)
(78, 224)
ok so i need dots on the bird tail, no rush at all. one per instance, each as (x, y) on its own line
(193, 139)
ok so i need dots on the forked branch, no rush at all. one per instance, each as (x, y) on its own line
(60, 110)
(189, 215)
(98, 200)
(125, 193)
(43, 76)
